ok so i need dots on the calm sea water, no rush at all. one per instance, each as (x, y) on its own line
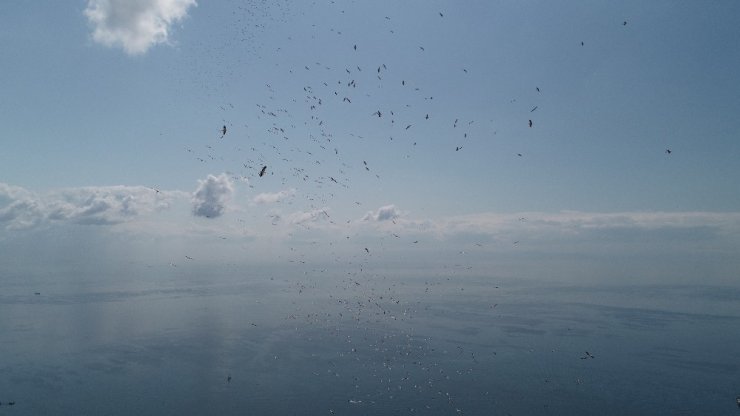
(159, 341)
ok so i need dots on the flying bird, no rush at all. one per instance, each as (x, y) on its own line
(668, 151)
(530, 123)
(262, 172)
(223, 132)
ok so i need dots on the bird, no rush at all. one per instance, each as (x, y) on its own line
(228, 379)
(624, 23)
(668, 151)
(457, 148)
(530, 123)
(262, 172)
(223, 132)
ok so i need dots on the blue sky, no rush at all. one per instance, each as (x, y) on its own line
(112, 111)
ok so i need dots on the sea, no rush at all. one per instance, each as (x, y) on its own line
(171, 340)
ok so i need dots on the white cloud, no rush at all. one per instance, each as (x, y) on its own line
(302, 217)
(134, 25)
(270, 198)
(384, 213)
(20, 208)
(212, 195)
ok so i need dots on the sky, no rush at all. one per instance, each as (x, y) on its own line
(594, 141)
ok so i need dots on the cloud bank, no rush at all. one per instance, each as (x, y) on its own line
(212, 195)
(134, 25)
(104, 205)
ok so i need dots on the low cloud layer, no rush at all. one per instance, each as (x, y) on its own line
(105, 205)
(212, 195)
(134, 25)
(271, 198)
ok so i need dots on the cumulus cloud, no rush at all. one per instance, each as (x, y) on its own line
(384, 213)
(302, 217)
(20, 208)
(270, 198)
(212, 195)
(134, 25)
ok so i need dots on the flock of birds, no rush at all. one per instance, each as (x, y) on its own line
(305, 151)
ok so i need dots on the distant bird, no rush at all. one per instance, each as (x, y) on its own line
(457, 148)
(262, 172)
(378, 113)
(530, 123)
(581, 43)
(441, 15)
(228, 379)
(532, 110)
(421, 47)
(355, 47)
(624, 23)
(537, 88)
(587, 356)
(668, 151)
(427, 117)
(223, 132)
(368, 250)
(519, 154)
(408, 127)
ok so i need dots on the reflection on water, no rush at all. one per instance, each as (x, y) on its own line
(156, 344)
